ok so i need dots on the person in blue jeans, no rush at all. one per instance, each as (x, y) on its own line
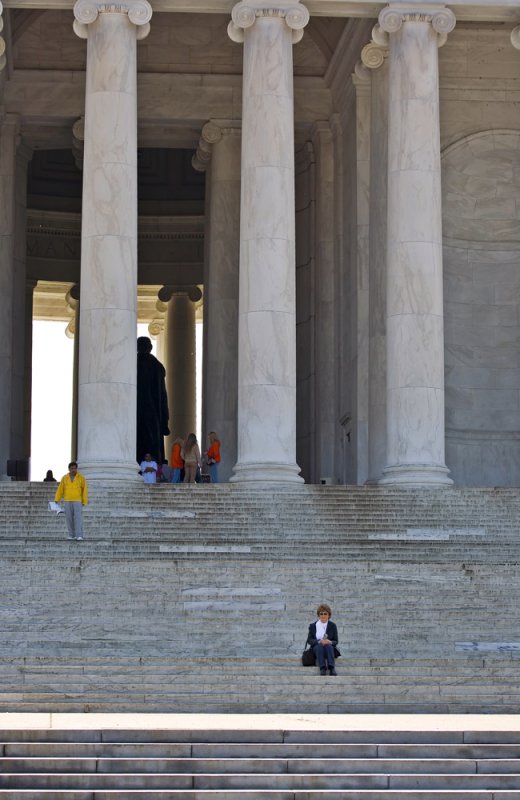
(323, 638)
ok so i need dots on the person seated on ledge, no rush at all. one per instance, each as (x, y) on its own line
(323, 638)
(149, 469)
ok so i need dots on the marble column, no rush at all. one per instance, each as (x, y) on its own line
(9, 132)
(324, 304)
(30, 285)
(108, 304)
(72, 332)
(362, 85)
(180, 362)
(375, 57)
(221, 294)
(415, 322)
(267, 296)
(22, 333)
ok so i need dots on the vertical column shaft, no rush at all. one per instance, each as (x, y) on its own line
(108, 305)
(22, 334)
(267, 302)
(325, 377)
(374, 57)
(415, 339)
(362, 85)
(221, 294)
(181, 365)
(8, 145)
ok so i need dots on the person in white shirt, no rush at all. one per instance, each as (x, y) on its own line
(148, 469)
(323, 638)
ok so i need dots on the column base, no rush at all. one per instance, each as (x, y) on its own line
(416, 476)
(266, 473)
(110, 470)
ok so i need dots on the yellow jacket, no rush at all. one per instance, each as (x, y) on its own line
(72, 491)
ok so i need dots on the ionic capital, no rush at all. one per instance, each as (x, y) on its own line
(244, 15)
(442, 19)
(515, 37)
(212, 132)
(373, 54)
(86, 12)
(3, 59)
(210, 135)
(192, 292)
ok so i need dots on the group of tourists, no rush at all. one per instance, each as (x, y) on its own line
(186, 462)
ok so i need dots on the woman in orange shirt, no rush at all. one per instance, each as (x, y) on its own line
(213, 456)
(176, 462)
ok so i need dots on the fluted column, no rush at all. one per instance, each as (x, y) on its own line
(221, 289)
(325, 344)
(362, 85)
(415, 324)
(180, 352)
(72, 332)
(22, 334)
(28, 347)
(108, 305)
(267, 296)
(375, 57)
(9, 131)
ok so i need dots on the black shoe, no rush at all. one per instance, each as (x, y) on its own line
(332, 671)
(323, 671)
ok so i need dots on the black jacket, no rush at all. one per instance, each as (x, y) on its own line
(331, 633)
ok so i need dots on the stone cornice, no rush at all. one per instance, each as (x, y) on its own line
(466, 10)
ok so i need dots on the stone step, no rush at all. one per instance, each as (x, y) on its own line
(500, 754)
(262, 707)
(384, 737)
(306, 794)
(240, 794)
(223, 558)
(105, 684)
(324, 684)
(258, 764)
(244, 781)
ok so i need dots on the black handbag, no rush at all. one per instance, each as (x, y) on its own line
(308, 657)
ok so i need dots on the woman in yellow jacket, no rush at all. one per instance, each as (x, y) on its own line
(74, 491)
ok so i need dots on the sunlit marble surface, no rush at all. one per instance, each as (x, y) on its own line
(221, 296)
(267, 313)
(415, 346)
(107, 352)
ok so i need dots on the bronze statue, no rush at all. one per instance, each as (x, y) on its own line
(152, 403)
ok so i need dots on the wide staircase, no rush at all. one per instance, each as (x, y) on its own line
(198, 598)
(278, 764)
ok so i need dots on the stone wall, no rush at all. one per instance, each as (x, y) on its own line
(481, 228)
